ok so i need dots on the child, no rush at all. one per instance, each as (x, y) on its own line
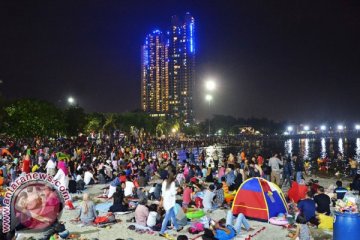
(302, 230)
(208, 198)
(187, 196)
(225, 187)
(153, 216)
(219, 195)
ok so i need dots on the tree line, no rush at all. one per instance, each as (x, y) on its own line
(37, 118)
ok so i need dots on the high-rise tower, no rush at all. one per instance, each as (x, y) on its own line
(182, 67)
(168, 70)
(155, 74)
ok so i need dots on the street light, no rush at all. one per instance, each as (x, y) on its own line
(340, 127)
(306, 128)
(208, 98)
(210, 85)
(322, 127)
(357, 127)
(71, 100)
(290, 128)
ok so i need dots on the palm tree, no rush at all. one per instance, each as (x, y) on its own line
(110, 123)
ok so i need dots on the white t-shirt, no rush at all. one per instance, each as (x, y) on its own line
(50, 164)
(87, 177)
(207, 200)
(129, 186)
(168, 195)
(151, 220)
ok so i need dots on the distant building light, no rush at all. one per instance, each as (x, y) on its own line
(357, 126)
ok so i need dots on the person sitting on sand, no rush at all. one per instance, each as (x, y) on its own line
(120, 203)
(308, 208)
(153, 217)
(208, 199)
(87, 212)
(302, 230)
(141, 213)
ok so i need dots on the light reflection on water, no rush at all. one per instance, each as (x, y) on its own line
(307, 148)
(288, 147)
(357, 156)
(341, 146)
(323, 148)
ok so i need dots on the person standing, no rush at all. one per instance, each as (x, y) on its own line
(168, 200)
(62, 174)
(299, 168)
(274, 163)
(287, 172)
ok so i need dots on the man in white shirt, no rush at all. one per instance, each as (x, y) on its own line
(274, 163)
(88, 178)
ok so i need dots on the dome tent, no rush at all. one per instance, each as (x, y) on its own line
(259, 199)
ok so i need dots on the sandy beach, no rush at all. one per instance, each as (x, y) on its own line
(120, 230)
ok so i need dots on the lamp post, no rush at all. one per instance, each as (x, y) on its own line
(209, 98)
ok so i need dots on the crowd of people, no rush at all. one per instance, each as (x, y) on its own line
(165, 187)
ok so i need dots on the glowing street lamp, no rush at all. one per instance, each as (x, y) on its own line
(306, 128)
(322, 127)
(208, 98)
(340, 127)
(210, 85)
(357, 127)
(71, 100)
(290, 128)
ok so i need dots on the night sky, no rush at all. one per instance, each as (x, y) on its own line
(284, 60)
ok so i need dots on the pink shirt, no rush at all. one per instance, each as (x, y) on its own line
(141, 215)
(221, 172)
(187, 195)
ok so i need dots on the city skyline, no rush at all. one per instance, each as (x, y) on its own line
(291, 61)
(168, 70)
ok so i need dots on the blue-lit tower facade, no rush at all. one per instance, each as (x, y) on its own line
(168, 70)
(182, 67)
(155, 74)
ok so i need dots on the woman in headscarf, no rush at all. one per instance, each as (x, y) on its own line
(62, 174)
(87, 210)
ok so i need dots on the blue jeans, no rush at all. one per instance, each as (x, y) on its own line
(298, 177)
(170, 214)
(240, 220)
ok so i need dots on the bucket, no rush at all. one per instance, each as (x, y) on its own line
(346, 226)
